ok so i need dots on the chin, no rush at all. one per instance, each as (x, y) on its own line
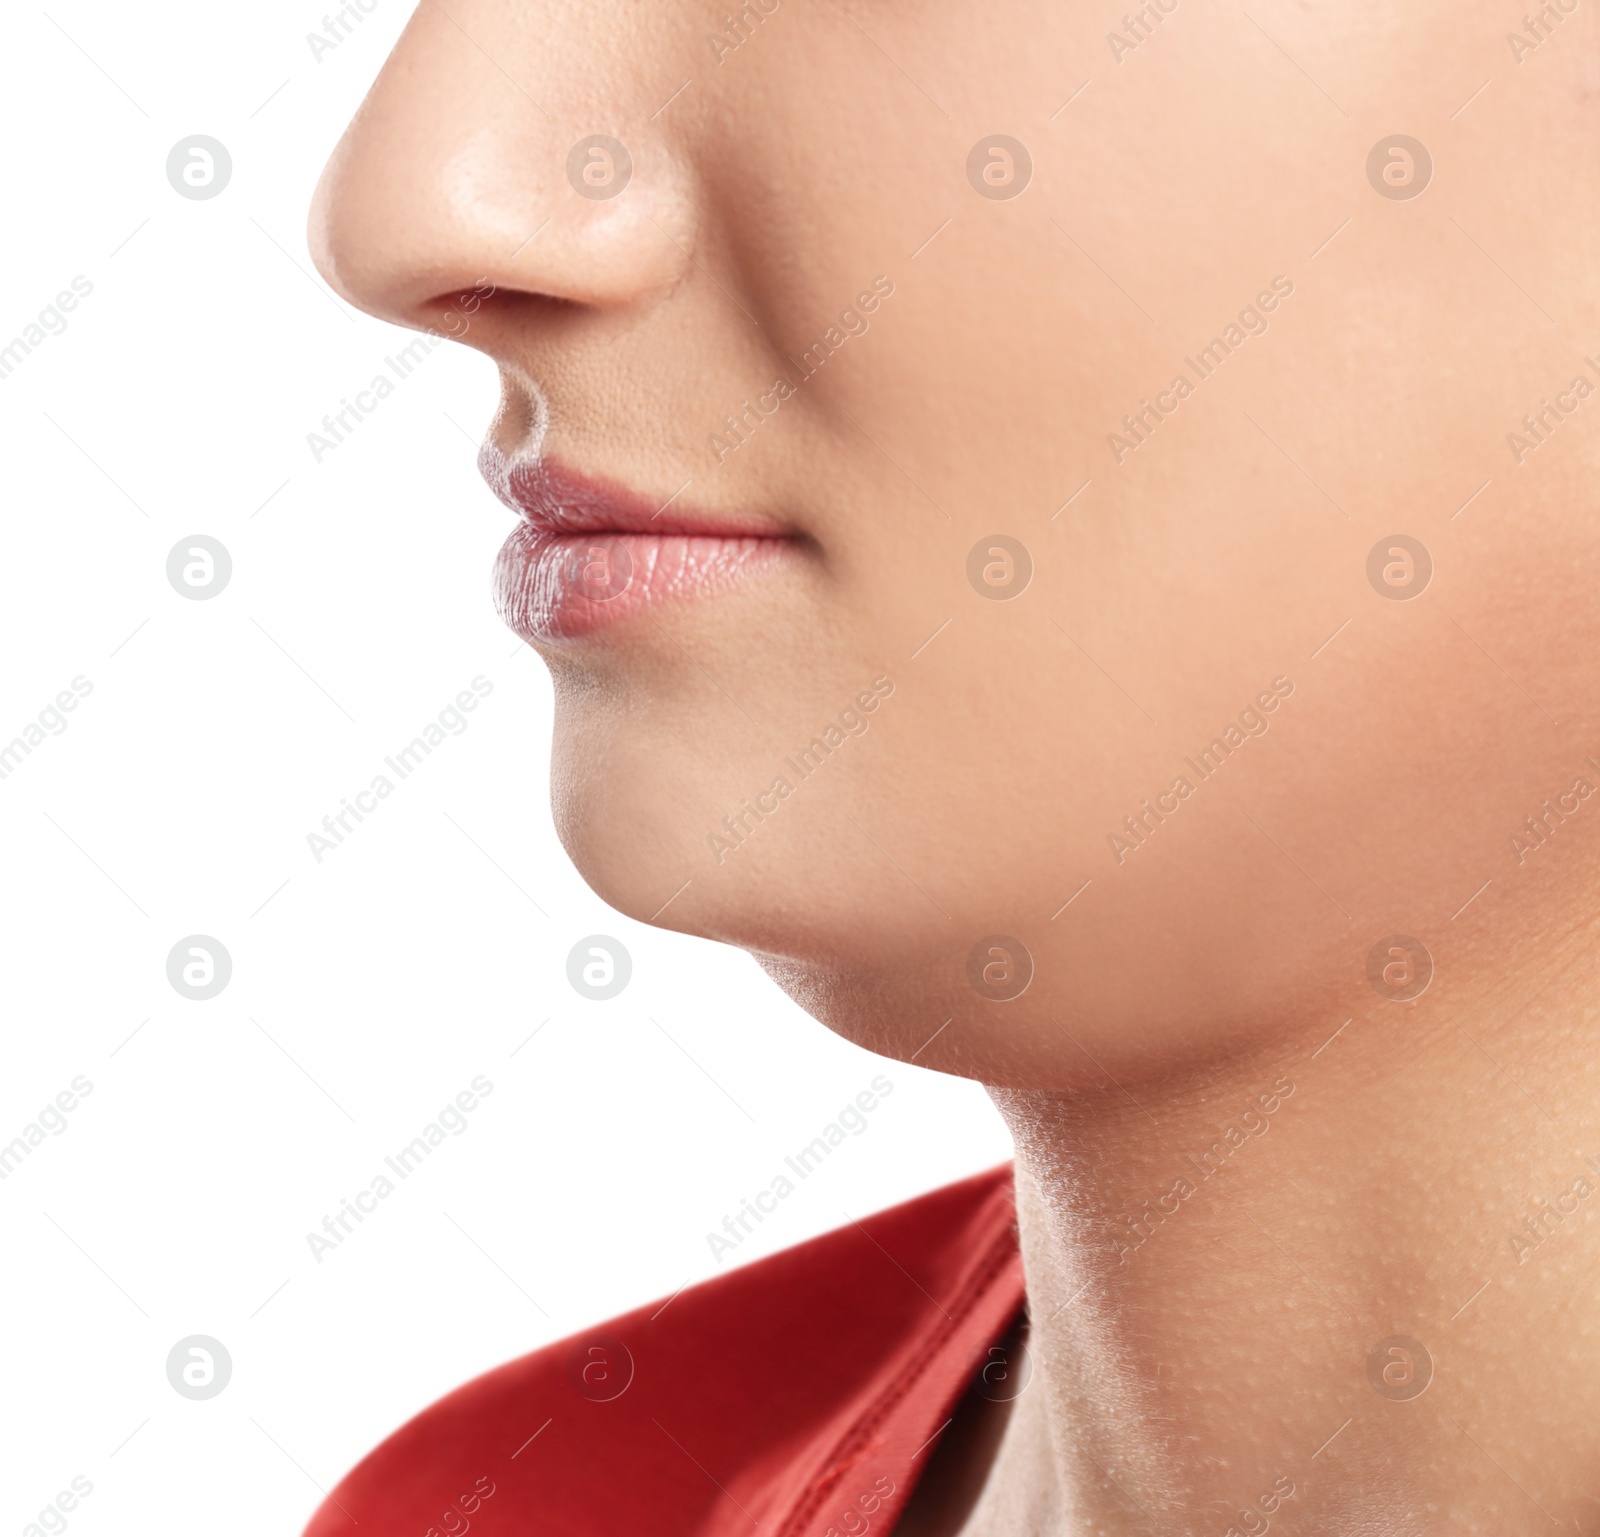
(1129, 994)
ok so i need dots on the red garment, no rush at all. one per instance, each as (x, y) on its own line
(797, 1393)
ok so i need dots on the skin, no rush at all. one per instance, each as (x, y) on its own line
(1179, 1370)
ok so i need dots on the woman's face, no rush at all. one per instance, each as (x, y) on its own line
(1024, 479)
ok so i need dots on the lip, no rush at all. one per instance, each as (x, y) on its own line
(589, 554)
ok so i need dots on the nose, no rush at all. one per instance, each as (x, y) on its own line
(482, 160)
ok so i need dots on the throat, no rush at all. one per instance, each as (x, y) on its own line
(1349, 1278)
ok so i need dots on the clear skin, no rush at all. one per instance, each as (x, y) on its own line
(1178, 1378)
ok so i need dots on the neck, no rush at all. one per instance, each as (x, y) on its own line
(1217, 1266)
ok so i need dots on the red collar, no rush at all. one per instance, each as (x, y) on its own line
(797, 1394)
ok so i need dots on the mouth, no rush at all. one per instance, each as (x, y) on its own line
(589, 554)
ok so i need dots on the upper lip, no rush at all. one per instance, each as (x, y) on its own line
(556, 500)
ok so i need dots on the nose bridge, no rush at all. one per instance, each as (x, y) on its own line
(482, 155)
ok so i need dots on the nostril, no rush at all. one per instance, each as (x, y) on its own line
(457, 204)
(454, 314)
(434, 244)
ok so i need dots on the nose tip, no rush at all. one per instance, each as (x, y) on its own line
(449, 178)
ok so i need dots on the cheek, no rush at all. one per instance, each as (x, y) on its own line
(1160, 587)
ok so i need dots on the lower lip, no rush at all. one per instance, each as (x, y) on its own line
(553, 587)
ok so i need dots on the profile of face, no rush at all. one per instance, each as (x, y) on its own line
(1059, 532)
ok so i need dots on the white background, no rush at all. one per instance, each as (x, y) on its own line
(366, 990)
